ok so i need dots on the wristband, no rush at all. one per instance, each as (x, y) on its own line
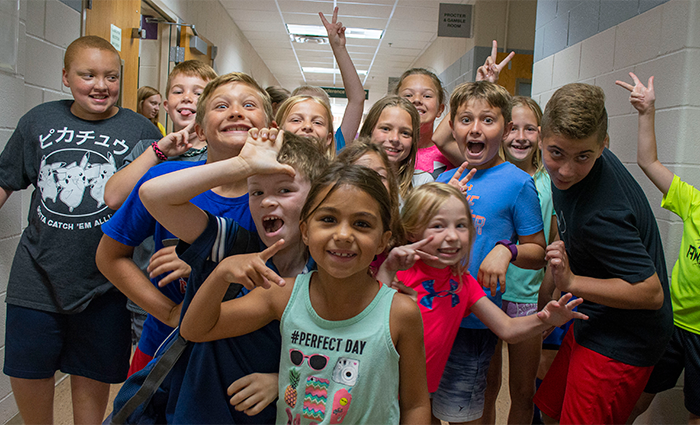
(511, 246)
(159, 153)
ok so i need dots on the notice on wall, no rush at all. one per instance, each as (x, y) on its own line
(115, 37)
(455, 20)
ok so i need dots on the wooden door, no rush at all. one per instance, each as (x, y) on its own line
(125, 14)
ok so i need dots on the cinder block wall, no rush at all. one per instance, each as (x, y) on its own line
(660, 38)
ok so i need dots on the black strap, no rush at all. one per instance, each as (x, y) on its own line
(153, 380)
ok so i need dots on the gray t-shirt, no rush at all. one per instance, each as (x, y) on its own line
(68, 160)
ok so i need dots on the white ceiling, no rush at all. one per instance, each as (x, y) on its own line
(410, 27)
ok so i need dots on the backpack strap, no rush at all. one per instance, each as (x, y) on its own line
(153, 380)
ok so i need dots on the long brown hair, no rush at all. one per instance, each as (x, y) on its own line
(404, 171)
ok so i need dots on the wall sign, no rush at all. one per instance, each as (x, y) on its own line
(455, 20)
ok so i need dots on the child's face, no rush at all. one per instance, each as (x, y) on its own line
(394, 131)
(275, 205)
(181, 103)
(479, 129)
(523, 140)
(569, 161)
(151, 106)
(231, 110)
(308, 119)
(450, 231)
(93, 79)
(420, 90)
(345, 232)
(372, 161)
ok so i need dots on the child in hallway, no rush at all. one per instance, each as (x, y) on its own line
(393, 123)
(148, 102)
(521, 148)
(437, 150)
(62, 314)
(241, 104)
(185, 84)
(275, 198)
(352, 348)
(610, 253)
(683, 352)
(439, 223)
(506, 210)
(310, 117)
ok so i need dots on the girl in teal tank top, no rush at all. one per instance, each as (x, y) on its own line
(352, 348)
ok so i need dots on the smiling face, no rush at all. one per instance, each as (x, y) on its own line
(345, 232)
(230, 111)
(151, 106)
(181, 103)
(479, 129)
(523, 140)
(449, 228)
(309, 119)
(93, 79)
(420, 90)
(394, 132)
(568, 161)
(275, 204)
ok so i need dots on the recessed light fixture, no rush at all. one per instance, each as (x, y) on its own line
(317, 70)
(320, 31)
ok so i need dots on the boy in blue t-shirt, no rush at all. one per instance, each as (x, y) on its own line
(277, 187)
(506, 211)
(62, 314)
(133, 224)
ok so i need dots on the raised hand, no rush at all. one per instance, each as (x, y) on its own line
(260, 151)
(335, 29)
(461, 184)
(405, 256)
(165, 260)
(250, 270)
(177, 143)
(490, 70)
(642, 98)
(556, 313)
(558, 261)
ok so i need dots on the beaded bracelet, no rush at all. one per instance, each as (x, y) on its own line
(159, 153)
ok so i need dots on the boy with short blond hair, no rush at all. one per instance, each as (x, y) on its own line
(506, 210)
(185, 85)
(611, 255)
(62, 314)
(275, 198)
(133, 224)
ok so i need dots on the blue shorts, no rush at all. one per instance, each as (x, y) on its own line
(460, 396)
(95, 343)
(682, 352)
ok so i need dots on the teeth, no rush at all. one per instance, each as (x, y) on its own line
(272, 224)
(342, 254)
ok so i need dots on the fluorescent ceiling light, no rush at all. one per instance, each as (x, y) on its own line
(320, 31)
(317, 70)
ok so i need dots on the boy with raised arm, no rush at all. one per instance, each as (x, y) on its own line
(62, 314)
(506, 209)
(229, 106)
(610, 254)
(683, 352)
(277, 187)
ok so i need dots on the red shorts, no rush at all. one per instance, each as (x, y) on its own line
(585, 387)
(138, 361)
